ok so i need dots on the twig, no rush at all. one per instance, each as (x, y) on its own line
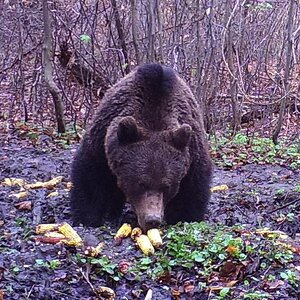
(285, 205)
(86, 277)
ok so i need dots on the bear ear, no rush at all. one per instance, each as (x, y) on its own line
(181, 137)
(128, 131)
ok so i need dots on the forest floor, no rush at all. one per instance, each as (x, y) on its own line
(248, 248)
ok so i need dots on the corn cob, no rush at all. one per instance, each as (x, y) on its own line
(93, 251)
(48, 240)
(136, 232)
(73, 239)
(145, 244)
(124, 231)
(42, 228)
(222, 187)
(20, 195)
(48, 184)
(55, 234)
(14, 181)
(154, 237)
(106, 292)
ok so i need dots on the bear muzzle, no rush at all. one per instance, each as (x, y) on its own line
(150, 210)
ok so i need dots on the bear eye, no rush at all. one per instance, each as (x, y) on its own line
(164, 188)
(143, 185)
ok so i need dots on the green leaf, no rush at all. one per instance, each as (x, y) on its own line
(85, 38)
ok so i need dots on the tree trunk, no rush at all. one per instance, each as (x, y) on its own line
(236, 118)
(121, 36)
(135, 31)
(48, 71)
(288, 63)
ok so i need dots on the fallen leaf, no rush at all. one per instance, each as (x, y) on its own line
(176, 293)
(24, 205)
(188, 287)
(232, 250)
(48, 240)
(273, 285)
(69, 185)
(266, 232)
(123, 267)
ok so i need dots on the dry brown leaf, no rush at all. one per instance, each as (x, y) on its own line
(24, 205)
(69, 185)
(49, 240)
(176, 293)
(274, 285)
(123, 266)
(232, 249)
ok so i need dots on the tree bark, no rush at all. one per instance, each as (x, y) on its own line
(121, 36)
(48, 71)
(135, 31)
(290, 24)
(236, 116)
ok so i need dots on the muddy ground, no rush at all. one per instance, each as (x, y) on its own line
(258, 196)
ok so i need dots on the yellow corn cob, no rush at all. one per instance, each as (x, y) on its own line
(73, 239)
(93, 251)
(154, 237)
(55, 234)
(20, 195)
(42, 228)
(136, 232)
(14, 181)
(124, 231)
(145, 244)
(222, 187)
(106, 292)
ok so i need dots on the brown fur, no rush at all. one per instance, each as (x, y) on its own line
(147, 143)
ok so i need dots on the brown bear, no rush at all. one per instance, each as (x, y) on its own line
(146, 146)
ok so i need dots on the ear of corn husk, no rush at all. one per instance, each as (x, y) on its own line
(73, 239)
(145, 244)
(136, 232)
(154, 237)
(106, 292)
(93, 251)
(124, 231)
(42, 228)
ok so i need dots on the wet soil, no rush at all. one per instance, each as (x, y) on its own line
(258, 196)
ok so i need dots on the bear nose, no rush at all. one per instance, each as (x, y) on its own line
(152, 221)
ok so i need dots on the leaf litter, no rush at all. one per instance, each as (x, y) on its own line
(247, 249)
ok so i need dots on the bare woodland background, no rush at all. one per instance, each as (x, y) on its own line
(240, 57)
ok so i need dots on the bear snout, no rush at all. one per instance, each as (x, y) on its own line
(149, 210)
(152, 221)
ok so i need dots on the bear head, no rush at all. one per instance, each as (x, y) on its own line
(149, 166)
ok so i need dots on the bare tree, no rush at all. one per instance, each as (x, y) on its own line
(134, 20)
(120, 30)
(288, 63)
(48, 71)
